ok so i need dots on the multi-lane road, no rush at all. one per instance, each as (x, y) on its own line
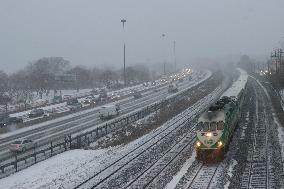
(44, 132)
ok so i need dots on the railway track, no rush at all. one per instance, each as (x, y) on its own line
(106, 175)
(146, 177)
(202, 175)
(257, 170)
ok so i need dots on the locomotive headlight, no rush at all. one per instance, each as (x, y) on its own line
(220, 143)
(198, 144)
(208, 134)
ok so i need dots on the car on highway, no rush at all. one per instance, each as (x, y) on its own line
(90, 100)
(36, 113)
(109, 111)
(21, 145)
(164, 79)
(114, 97)
(3, 120)
(15, 120)
(67, 97)
(10, 120)
(145, 84)
(3, 123)
(153, 83)
(137, 94)
(74, 104)
(180, 79)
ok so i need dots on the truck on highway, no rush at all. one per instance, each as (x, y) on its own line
(74, 104)
(136, 94)
(109, 111)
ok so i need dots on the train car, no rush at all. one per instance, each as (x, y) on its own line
(216, 126)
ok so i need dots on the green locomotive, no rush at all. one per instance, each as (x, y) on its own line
(216, 126)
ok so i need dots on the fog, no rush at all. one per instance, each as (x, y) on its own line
(89, 32)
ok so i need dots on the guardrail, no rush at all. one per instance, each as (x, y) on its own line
(39, 153)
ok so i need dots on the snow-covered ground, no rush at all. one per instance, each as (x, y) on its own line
(67, 169)
(232, 165)
(71, 168)
(182, 172)
(47, 174)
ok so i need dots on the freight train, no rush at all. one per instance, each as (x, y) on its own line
(216, 126)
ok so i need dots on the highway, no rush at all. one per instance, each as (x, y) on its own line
(44, 132)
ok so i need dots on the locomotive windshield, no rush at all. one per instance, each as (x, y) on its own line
(199, 126)
(205, 126)
(210, 126)
(213, 126)
(220, 125)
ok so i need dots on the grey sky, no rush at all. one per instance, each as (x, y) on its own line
(89, 32)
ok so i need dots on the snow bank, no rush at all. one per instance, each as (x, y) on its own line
(46, 173)
(68, 169)
(232, 165)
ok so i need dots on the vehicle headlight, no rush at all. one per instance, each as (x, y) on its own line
(208, 134)
(220, 143)
(198, 144)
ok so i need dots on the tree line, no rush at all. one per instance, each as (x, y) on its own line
(56, 73)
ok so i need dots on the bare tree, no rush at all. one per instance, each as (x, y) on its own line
(4, 98)
(83, 77)
(43, 71)
(20, 87)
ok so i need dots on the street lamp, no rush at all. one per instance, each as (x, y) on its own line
(175, 56)
(163, 37)
(124, 74)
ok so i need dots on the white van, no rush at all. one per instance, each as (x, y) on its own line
(109, 111)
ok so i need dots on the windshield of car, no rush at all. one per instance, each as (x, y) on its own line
(18, 142)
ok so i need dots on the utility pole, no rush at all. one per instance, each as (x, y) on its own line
(175, 61)
(274, 59)
(124, 73)
(280, 58)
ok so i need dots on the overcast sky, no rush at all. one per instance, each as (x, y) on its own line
(89, 32)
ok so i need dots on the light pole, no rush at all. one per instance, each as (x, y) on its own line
(175, 56)
(124, 74)
(163, 37)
